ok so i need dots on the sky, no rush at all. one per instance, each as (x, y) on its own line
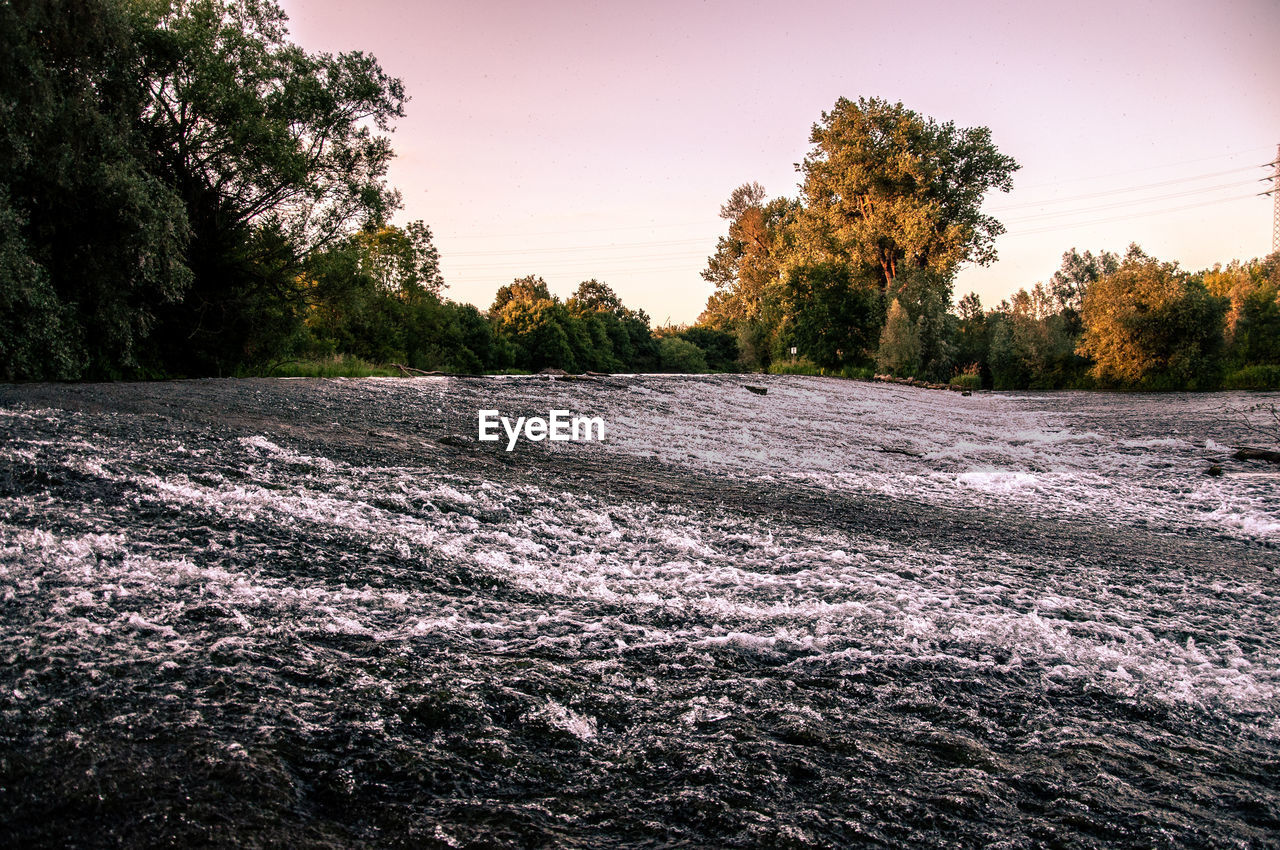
(577, 140)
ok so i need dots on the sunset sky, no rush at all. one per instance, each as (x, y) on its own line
(576, 140)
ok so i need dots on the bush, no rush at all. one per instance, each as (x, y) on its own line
(967, 381)
(679, 355)
(719, 347)
(858, 373)
(332, 367)
(1254, 378)
(803, 366)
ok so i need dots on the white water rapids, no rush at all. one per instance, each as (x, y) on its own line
(839, 613)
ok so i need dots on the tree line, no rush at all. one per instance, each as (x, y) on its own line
(184, 191)
(856, 275)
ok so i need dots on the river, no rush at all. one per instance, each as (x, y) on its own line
(322, 613)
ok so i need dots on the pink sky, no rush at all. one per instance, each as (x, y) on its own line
(576, 140)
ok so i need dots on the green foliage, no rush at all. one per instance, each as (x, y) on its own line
(540, 331)
(37, 334)
(680, 355)
(91, 242)
(1009, 369)
(800, 366)
(332, 367)
(400, 261)
(891, 206)
(971, 337)
(720, 347)
(890, 189)
(275, 155)
(529, 288)
(832, 314)
(592, 297)
(1254, 378)
(1032, 345)
(747, 263)
(969, 380)
(805, 366)
(1150, 325)
(1071, 282)
(1252, 330)
(926, 297)
(899, 352)
(592, 331)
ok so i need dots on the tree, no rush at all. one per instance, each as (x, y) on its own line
(91, 243)
(1150, 323)
(746, 265)
(593, 296)
(892, 189)
(1253, 316)
(1009, 370)
(401, 261)
(1071, 282)
(719, 347)
(255, 134)
(899, 352)
(528, 288)
(680, 355)
(971, 333)
(832, 315)
(925, 295)
(1031, 344)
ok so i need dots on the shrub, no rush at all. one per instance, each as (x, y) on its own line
(858, 373)
(332, 367)
(1265, 377)
(802, 366)
(969, 379)
(679, 355)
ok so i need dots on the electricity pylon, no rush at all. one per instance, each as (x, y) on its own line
(1274, 192)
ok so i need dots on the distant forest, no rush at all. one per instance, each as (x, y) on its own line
(185, 192)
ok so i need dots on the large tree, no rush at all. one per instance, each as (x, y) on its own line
(887, 187)
(91, 242)
(274, 151)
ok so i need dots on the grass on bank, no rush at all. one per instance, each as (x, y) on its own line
(340, 367)
(328, 367)
(804, 366)
(1264, 377)
(1253, 378)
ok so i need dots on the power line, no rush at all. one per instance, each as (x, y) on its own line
(1240, 152)
(1120, 204)
(605, 247)
(1107, 192)
(1126, 217)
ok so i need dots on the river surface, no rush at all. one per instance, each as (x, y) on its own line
(320, 613)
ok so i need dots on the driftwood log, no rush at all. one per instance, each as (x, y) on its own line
(409, 371)
(1246, 453)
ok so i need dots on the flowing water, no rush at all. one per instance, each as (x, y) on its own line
(321, 613)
